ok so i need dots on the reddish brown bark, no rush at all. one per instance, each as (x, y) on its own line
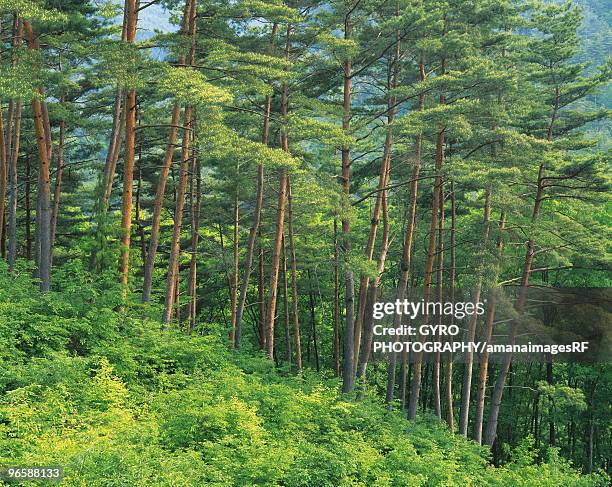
(280, 218)
(131, 17)
(175, 248)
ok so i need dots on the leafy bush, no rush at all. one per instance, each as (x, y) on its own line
(118, 402)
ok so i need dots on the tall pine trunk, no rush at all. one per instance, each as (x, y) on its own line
(43, 142)
(471, 332)
(348, 370)
(415, 387)
(437, 400)
(196, 205)
(13, 154)
(336, 301)
(13, 187)
(286, 317)
(498, 390)
(406, 257)
(3, 176)
(295, 315)
(248, 264)
(373, 290)
(175, 246)
(383, 180)
(57, 191)
(131, 17)
(234, 283)
(280, 216)
(158, 205)
(450, 413)
(488, 333)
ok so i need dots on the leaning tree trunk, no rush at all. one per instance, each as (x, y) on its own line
(188, 28)
(159, 204)
(383, 180)
(57, 192)
(415, 387)
(175, 246)
(280, 217)
(488, 333)
(257, 215)
(374, 220)
(406, 257)
(280, 221)
(373, 292)
(471, 332)
(252, 235)
(498, 390)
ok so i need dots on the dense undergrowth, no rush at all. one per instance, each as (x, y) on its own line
(97, 388)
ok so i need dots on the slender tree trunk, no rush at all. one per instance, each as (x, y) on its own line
(450, 413)
(13, 188)
(406, 257)
(373, 290)
(256, 217)
(348, 370)
(471, 333)
(131, 17)
(252, 234)
(188, 28)
(57, 192)
(415, 387)
(336, 302)
(314, 322)
(280, 221)
(383, 180)
(488, 333)
(234, 286)
(286, 305)
(294, 290)
(3, 177)
(552, 436)
(369, 253)
(498, 390)
(175, 248)
(439, 281)
(280, 215)
(28, 211)
(261, 292)
(112, 156)
(118, 127)
(10, 169)
(158, 205)
(196, 205)
(14, 139)
(138, 215)
(43, 141)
